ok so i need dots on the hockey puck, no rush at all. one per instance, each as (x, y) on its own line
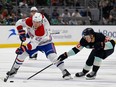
(11, 81)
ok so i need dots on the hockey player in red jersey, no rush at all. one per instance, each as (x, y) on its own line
(33, 10)
(102, 47)
(40, 39)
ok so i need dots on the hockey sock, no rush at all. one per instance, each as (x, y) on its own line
(52, 57)
(95, 68)
(85, 71)
(86, 68)
(20, 59)
(97, 63)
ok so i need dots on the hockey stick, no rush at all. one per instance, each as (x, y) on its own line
(39, 71)
(5, 79)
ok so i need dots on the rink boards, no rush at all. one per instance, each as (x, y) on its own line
(62, 35)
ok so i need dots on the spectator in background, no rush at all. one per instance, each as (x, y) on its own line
(76, 14)
(112, 17)
(9, 6)
(104, 5)
(33, 10)
(65, 17)
(55, 13)
(77, 3)
(23, 4)
(1, 19)
(55, 2)
(112, 3)
(31, 2)
(55, 20)
(66, 13)
(87, 14)
(44, 13)
(5, 13)
(1, 5)
(13, 18)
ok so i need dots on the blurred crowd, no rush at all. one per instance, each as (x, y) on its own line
(61, 12)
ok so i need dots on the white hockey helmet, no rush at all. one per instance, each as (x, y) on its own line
(37, 17)
(33, 9)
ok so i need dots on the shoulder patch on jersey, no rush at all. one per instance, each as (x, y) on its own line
(40, 31)
(29, 22)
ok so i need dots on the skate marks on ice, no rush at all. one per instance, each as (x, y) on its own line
(52, 76)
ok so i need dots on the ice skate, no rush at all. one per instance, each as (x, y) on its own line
(66, 75)
(91, 75)
(12, 72)
(79, 74)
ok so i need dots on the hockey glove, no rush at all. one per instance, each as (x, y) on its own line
(62, 57)
(99, 45)
(20, 50)
(22, 35)
(27, 35)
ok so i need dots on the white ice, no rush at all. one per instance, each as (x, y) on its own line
(52, 77)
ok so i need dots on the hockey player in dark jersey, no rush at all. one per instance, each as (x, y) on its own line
(102, 47)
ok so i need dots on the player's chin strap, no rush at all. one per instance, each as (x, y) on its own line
(5, 79)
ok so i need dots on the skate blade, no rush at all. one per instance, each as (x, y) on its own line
(12, 76)
(90, 78)
(79, 76)
(67, 78)
(32, 58)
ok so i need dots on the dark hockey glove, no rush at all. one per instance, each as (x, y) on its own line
(20, 50)
(99, 45)
(27, 35)
(22, 35)
(62, 57)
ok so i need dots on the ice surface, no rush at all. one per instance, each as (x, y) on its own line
(52, 76)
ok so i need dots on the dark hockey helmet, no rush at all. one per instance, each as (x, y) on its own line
(87, 31)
